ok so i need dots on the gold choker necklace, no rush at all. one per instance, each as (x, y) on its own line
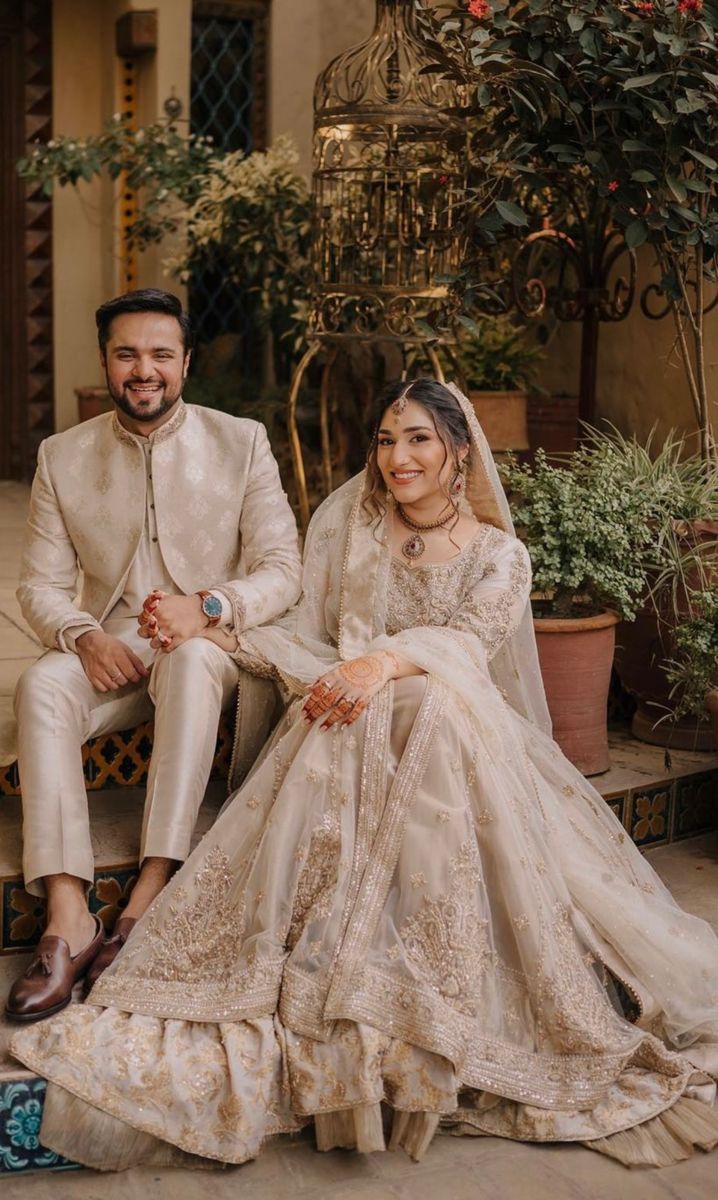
(415, 545)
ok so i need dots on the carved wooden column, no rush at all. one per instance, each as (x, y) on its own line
(26, 385)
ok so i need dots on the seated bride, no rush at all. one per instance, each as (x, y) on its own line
(414, 913)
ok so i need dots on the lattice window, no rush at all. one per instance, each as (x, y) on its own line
(228, 104)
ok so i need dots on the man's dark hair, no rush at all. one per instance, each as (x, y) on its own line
(143, 300)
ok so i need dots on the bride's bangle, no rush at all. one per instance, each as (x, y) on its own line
(394, 664)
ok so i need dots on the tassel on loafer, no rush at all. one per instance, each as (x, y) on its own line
(46, 986)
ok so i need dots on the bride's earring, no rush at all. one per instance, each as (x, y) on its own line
(458, 485)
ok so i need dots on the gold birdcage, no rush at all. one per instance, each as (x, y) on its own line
(389, 178)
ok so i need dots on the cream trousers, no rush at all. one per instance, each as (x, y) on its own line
(58, 709)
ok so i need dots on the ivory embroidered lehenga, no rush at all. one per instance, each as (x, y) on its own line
(428, 918)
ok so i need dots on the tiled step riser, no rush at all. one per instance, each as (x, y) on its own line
(22, 1095)
(22, 916)
(21, 1104)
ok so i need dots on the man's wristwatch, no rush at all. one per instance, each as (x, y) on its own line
(211, 607)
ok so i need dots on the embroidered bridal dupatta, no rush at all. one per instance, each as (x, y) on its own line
(431, 909)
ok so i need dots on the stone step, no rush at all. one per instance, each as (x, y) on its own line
(116, 821)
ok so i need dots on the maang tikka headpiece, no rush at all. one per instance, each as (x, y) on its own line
(401, 401)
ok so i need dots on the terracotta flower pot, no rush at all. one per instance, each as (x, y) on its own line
(502, 416)
(576, 655)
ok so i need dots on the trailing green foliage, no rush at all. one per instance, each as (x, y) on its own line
(613, 523)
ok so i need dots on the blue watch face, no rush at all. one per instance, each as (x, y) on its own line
(212, 607)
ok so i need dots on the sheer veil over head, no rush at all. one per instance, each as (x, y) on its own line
(346, 574)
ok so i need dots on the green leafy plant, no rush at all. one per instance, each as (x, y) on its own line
(251, 220)
(587, 533)
(247, 216)
(681, 494)
(618, 99)
(694, 670)
(170, 168)
(501, 356)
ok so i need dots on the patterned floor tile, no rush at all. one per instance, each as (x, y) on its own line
(21, 1104)
(696, 809)
(651, 813)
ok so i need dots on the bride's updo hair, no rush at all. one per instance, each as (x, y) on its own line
(447, 416)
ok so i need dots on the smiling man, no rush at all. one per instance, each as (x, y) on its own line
(158, 497)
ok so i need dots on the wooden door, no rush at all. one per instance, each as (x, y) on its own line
(26, 391)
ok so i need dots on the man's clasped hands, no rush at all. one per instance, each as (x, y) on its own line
(339, 697)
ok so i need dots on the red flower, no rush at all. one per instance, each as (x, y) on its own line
(646, 6)
(443, 180)
(613, 185)
(695, 7)
(480, 9)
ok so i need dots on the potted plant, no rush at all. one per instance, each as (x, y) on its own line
(244, 217)
(498, 361)
(693, 673)
(680, 490)
(587, 533)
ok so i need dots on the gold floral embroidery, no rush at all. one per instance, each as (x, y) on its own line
(449, 594)
(203, 935)
(318, 880)
(447, 937)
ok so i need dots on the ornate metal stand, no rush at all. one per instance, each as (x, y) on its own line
(389, 176)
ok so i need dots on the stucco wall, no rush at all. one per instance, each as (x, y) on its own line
(640, 381)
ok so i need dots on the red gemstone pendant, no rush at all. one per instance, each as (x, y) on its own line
(414, 546)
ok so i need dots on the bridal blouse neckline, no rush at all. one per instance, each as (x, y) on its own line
(449, 562)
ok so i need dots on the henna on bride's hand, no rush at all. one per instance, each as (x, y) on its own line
(362, 672)
(356, 712)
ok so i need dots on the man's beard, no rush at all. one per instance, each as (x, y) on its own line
(123, 402)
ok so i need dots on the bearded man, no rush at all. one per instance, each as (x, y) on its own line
(157, 497)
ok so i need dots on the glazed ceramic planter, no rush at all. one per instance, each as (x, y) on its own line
(576, 655)
(642, 648)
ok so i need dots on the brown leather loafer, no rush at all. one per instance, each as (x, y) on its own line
(110, 949)
(46, 987)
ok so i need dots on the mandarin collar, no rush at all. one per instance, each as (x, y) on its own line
(160, 435)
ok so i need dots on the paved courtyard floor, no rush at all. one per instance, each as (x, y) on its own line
(454, 1168)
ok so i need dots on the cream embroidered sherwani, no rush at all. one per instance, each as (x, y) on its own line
(201, 504)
